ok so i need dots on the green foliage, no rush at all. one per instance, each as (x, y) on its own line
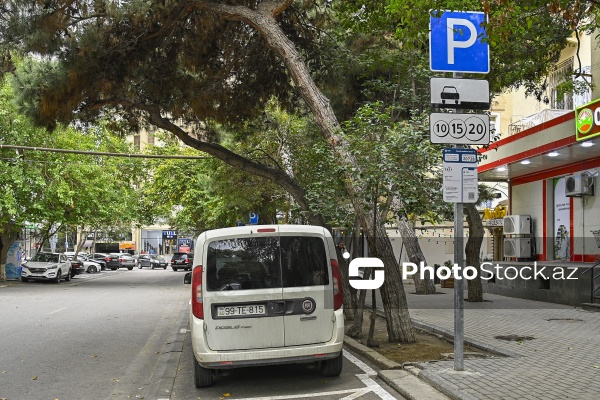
(195, 195)
(397, 159)
(63, 188)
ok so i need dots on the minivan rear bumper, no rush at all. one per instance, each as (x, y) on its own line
(270, 356)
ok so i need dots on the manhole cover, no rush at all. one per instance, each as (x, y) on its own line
(514, 338)
(565, 320)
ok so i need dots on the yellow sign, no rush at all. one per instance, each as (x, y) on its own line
(126, 245)
(497, 213)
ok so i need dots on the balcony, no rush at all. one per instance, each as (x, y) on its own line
(534, 119)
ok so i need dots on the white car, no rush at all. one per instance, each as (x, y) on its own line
(89, 265)
(47, 267)
(265, 294)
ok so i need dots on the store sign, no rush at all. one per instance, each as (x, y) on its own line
(587, 120)
(169, 234)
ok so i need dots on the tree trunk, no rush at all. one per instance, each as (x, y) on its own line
(393, 296)
(472, 250)
(8, 234)
(355, 330)
(346, 293)
(415, 255)
(263, 20)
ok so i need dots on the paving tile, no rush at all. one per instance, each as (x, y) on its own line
(557, 364)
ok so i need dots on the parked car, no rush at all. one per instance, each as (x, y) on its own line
(182, 261)
(103, 257)
(90, 265)
(47, 267)
(267, 294)
(136, 257)
(77, 266)
(152, 261)
(125, 260)
(112, 261)
(101, 263)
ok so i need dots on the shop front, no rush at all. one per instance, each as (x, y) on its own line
(553, 215)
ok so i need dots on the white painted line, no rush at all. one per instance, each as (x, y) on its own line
(375, 388)
(57, 310)
(364, 367)
(183, 330)
(357, 394)
(304, 396)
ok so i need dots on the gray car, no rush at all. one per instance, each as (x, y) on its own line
(152, 261)
(127, 261)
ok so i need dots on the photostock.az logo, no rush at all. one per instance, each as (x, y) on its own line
(366, 262)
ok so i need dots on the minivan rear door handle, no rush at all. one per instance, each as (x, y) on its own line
(278, 307)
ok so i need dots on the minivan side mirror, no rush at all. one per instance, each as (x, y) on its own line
(187, 278)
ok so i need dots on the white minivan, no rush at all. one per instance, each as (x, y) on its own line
(263, 295)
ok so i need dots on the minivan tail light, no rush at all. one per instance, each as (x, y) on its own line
(197, 305)
(338, 299)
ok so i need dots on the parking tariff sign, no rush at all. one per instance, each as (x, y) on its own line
(456, 42)
(460, 176)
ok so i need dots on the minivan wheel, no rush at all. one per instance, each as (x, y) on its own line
(129, 268)
(333, 366)
(202, 377)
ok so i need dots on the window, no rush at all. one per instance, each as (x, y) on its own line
(243, 263)
(266, 262)
(304, 262)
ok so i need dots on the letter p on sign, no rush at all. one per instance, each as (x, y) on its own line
(456, 42)
(366, 262)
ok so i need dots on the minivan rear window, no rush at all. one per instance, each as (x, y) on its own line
(303, 261)
(266, 262)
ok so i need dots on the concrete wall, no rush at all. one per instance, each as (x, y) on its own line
(437, 245)
(571, 292)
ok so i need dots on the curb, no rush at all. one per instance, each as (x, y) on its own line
(405, 382)
(382, 362)
(163, 378)
(413, 382)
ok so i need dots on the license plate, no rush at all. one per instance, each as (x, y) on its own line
(233, 311)
(37, 274)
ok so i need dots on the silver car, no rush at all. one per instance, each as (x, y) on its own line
(126, 260)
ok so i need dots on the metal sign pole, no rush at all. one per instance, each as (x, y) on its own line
(459, 319)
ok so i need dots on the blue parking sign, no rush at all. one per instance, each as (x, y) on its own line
(456, 42)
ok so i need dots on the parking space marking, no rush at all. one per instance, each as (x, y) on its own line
(57, 310)
(375, 387)
(305, 395)
(364, 367)
(352, 394)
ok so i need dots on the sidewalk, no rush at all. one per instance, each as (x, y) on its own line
(560, 361)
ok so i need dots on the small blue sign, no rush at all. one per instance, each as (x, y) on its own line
(456, 42)
(253, 219)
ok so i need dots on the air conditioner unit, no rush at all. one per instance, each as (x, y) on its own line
(517, 224)
(517, 247)
(580, 184)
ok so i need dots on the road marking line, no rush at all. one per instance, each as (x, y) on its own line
(357, 394)
(55, 311)
(364, 367)
(304, 396)
(375, 387)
